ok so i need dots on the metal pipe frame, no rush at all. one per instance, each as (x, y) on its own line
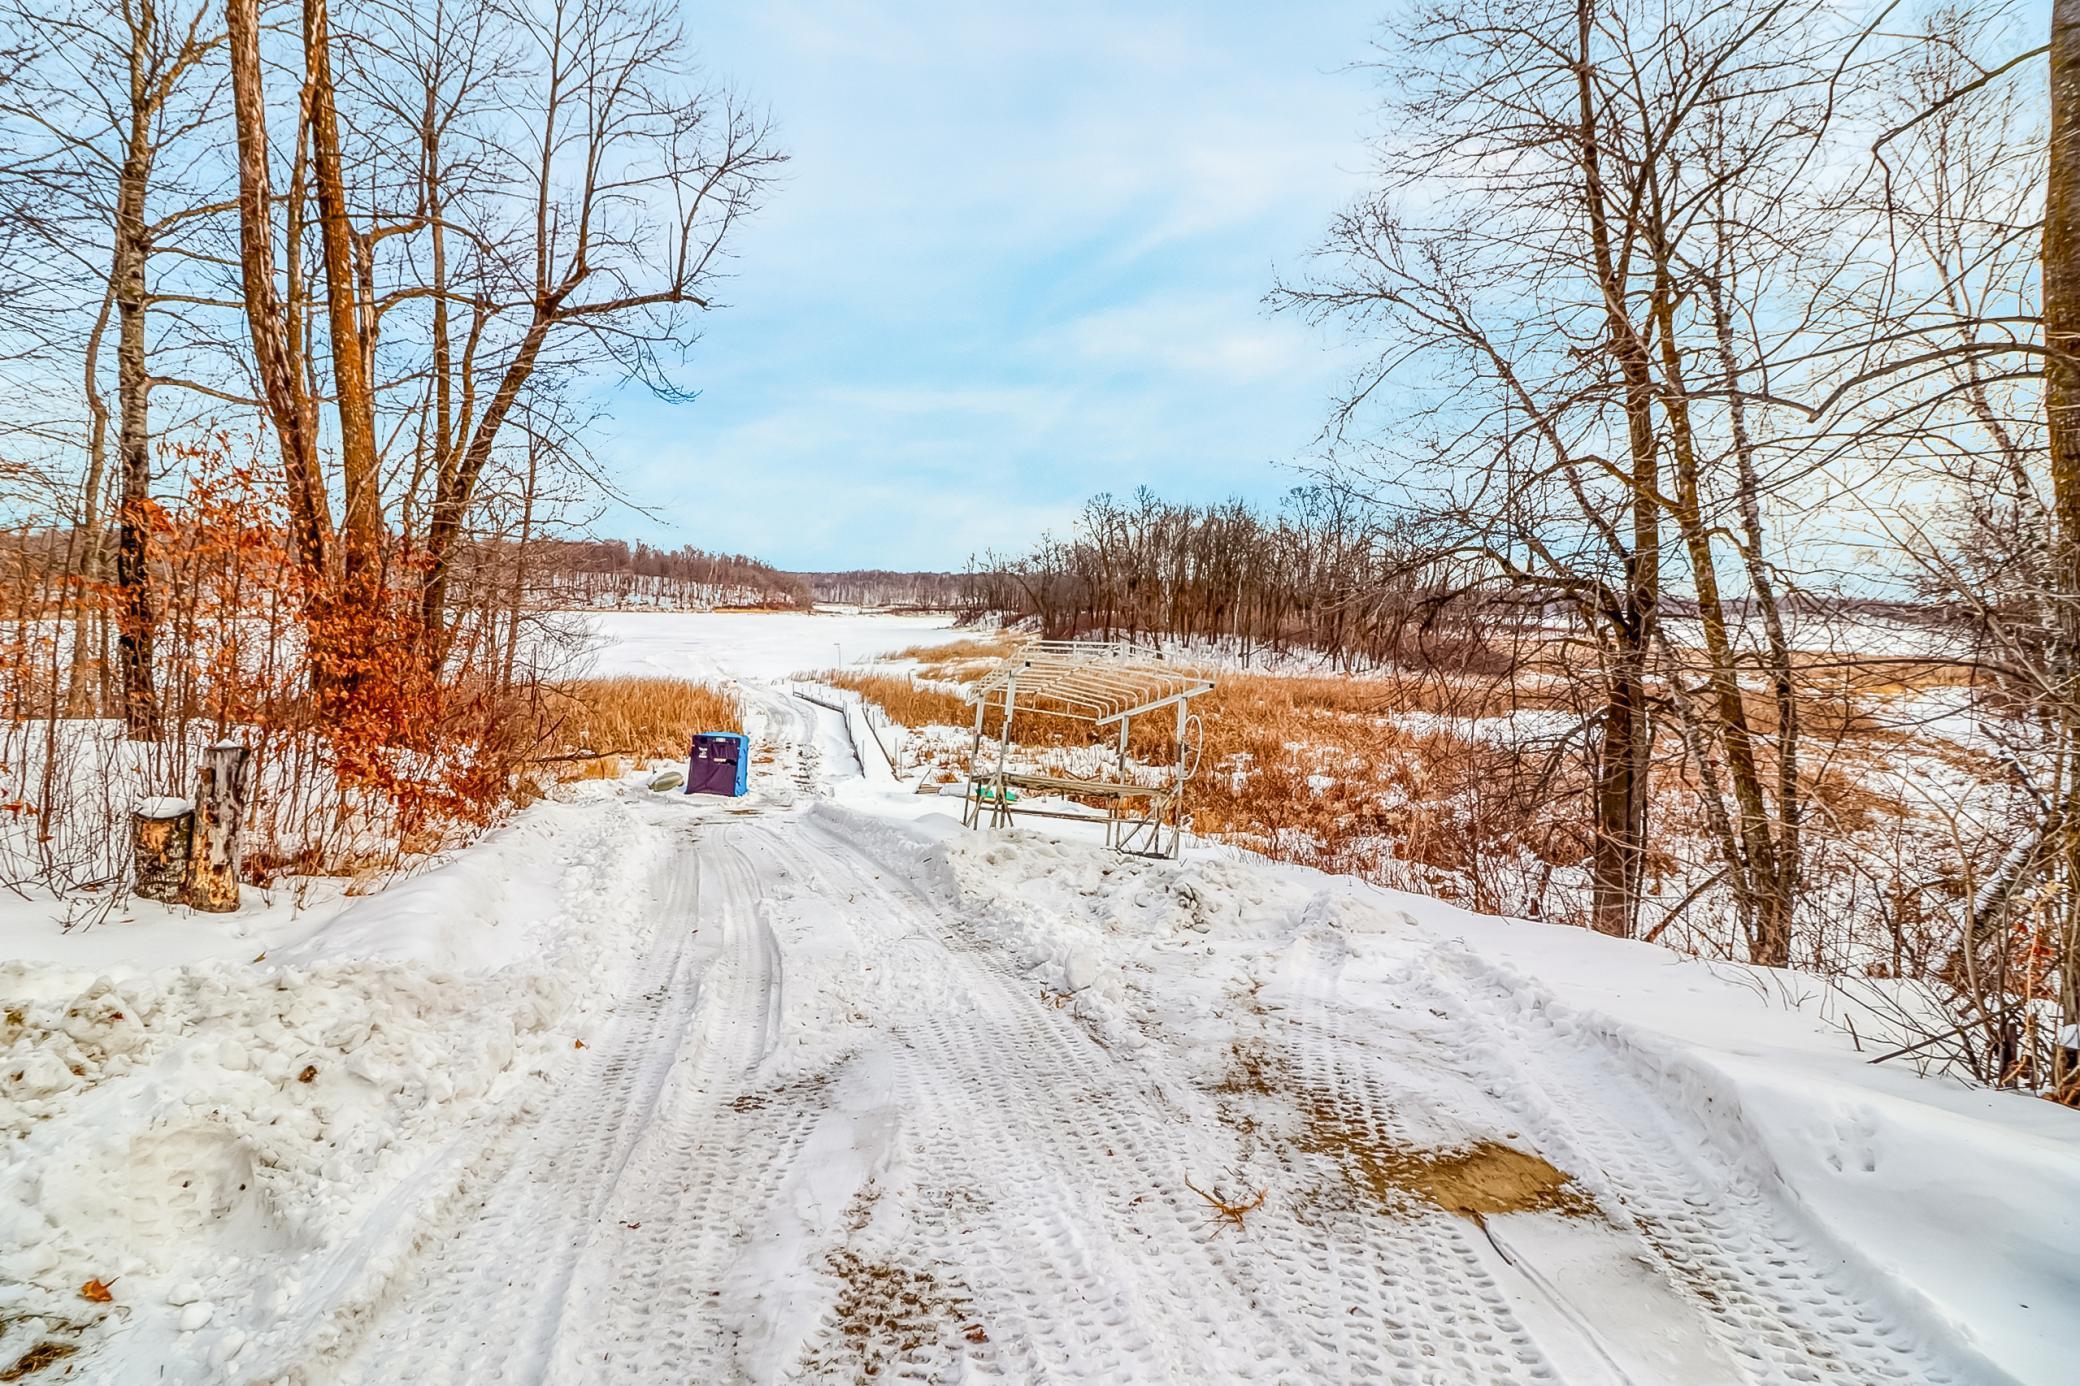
(1105, 684)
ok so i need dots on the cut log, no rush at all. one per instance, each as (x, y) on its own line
(220, 812)
(160, 834)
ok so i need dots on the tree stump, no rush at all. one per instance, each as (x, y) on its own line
(160, 834)
(220, 812)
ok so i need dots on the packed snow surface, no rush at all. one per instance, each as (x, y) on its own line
(817, 1086)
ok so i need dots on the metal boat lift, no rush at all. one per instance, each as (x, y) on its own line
(1105, 684)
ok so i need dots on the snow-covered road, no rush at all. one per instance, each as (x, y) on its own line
(850, 1118)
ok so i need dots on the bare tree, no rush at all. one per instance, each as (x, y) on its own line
(1641, 239)
(528, 193)
(113, 87)
(632, 186)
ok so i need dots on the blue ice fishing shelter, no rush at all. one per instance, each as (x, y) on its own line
(720, 764)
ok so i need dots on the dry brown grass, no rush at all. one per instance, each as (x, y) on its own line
(1318, 770)
(1333, 772)
(47, 1353)
(912, 704)
(973, 647)
(1879, 674)
(961, 660)
(636, 716)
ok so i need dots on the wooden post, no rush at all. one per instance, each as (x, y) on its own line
(220, 811)
(160, 832)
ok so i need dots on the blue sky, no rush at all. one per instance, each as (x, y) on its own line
(1018, 258)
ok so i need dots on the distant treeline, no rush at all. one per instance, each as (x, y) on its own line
(551, 572)
(1319, 573)
(1322, 573)
(878, 587)
(612, 572)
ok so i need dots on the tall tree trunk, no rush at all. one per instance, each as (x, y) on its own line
(455, 485)
(1618, 858)
(516, 598)
(1761, 582)
(137, 614)
(278, 354)
(2062, 420)
(353, 391)
(88, 676)
(1752, 864)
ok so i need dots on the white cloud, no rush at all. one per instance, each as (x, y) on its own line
(1018, 258)
(1191, 335)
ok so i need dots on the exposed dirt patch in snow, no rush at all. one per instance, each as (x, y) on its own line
(887, 1312)
(1483, 1181)
(1382, 1171)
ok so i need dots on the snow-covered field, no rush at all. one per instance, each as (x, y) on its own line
(816, 1086)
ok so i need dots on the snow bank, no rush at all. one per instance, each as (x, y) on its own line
(201, 1134)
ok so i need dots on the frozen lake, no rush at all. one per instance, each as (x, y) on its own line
(752, 644)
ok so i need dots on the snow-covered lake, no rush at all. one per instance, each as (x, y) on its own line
(752, 644)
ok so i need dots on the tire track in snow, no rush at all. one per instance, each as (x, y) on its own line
(654, 1297)
(1045, 1195)
(1405, 1299)
(484, 1294)
(1779, 1303)
(1303, 1294)
(1774, 1309)
(1093, 1261)
(1005, 1276)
